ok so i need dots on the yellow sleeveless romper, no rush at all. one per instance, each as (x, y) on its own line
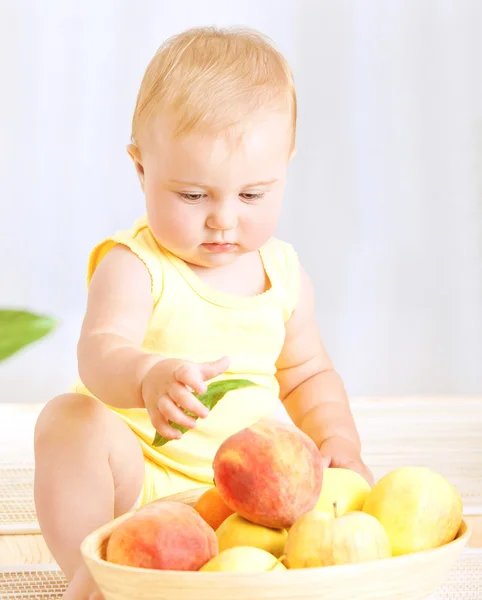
(193, 321)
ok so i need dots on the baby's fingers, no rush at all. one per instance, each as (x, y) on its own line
(169, 409)
(183, 398)
(214, 368)
(355, 465)
(189, 374)
(160, 424)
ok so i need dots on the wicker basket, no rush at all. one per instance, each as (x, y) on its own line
(410, 577)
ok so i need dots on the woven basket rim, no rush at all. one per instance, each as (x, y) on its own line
(461, 540)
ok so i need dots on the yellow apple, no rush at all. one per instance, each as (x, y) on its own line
(418, 508)
(345, 488)
(236, 531)
(318, 539)
(243, 558)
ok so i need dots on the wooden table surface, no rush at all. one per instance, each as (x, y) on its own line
(31, 549)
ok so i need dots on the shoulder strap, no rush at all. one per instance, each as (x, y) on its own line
(142, 243)
(282, 265)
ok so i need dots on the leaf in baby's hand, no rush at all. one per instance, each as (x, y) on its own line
(19, 328)
(218, 389)
(210, 398)
(160, 440)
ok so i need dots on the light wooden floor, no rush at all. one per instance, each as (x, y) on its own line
(31, 549)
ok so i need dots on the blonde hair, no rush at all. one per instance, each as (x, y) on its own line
(209, 79)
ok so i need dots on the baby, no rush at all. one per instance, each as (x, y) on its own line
(198, 288)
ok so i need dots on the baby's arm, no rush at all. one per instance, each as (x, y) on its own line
(313, 392)
(112, 363)
(119, 305)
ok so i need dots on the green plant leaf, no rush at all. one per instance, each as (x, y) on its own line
(210, 398)
(19, 328)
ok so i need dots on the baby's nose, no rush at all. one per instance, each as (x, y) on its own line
(223, 218)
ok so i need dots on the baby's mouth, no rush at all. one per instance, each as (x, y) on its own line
(219, 246)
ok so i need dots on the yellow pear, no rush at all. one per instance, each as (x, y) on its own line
(236, 531)
(243, 558)
(345, 488)
(418, 508)
(318, 539)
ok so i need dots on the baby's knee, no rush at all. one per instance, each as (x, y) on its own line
(67, 414)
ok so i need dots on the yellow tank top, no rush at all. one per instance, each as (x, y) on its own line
(193, 321)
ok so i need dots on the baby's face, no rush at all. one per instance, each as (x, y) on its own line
(209, 200)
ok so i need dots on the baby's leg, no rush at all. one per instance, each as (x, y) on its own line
(89, 468)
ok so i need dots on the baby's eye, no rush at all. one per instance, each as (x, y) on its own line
(193, 197)
(251, 196)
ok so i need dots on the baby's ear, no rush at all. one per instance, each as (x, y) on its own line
(135, 154)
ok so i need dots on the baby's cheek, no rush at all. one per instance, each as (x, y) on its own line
(173, 224)
(260, 226)
(182, 227)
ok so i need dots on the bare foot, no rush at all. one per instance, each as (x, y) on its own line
(82, 587)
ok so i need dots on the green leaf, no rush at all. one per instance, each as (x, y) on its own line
(19, 328)
(210, 398)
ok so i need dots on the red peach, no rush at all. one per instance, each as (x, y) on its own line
(270, 474)
(163, 535)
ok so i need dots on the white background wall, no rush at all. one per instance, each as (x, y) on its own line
(383, 202)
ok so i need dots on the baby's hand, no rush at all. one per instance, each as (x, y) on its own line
(343, 453)
(166, 391)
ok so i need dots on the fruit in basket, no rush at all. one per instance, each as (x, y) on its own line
(163, 535)
(345, 488)
(236, 531)
(243, 558)
(418, 508)
(318, 539)
(212, 508)
(269, 473)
